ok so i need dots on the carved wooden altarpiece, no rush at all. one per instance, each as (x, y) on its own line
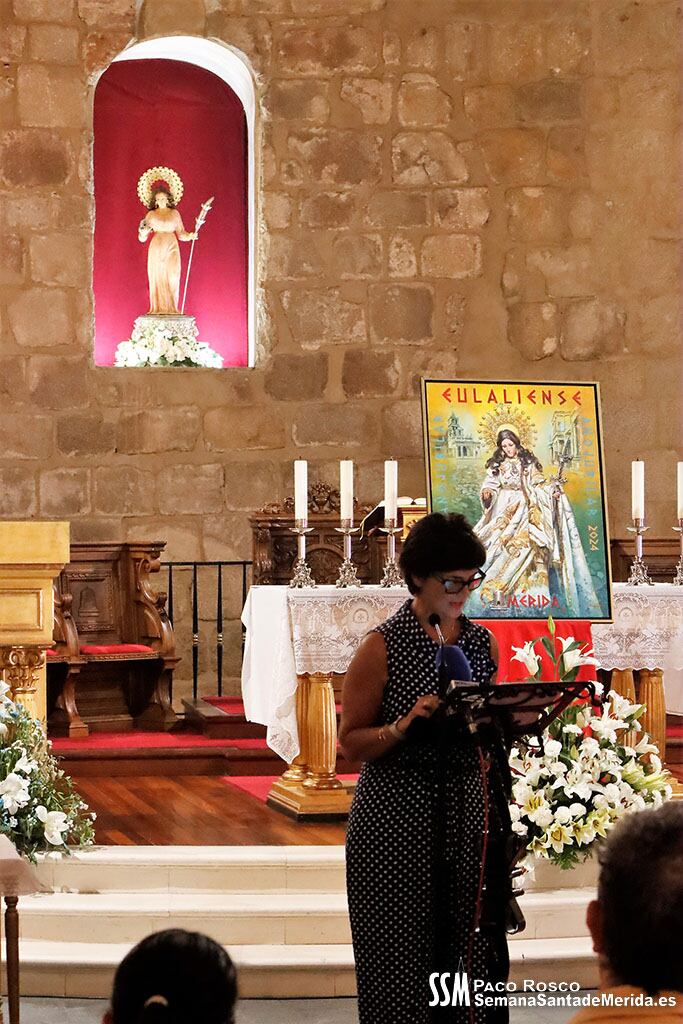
(275, 546)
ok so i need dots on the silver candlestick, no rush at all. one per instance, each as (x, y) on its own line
(392, 575)
(678, 578)
(302, 571)
(639, 573)
(348, 577)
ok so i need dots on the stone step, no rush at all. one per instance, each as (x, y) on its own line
(80, 969)
(181, 869)
(238, 869)
(237, 918)
(247, 918)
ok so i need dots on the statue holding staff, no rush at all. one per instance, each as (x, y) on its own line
(160, 189)
(166, 335)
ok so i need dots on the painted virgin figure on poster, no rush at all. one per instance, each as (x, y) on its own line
(523, 462)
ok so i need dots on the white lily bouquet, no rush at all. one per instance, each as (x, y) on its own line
(591, 769)
(39, 809)
(157, 344)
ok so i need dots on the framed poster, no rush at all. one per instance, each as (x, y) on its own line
(523, 462)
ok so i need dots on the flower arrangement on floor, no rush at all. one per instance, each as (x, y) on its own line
(39, 809)
(591, 769)
(158, 344)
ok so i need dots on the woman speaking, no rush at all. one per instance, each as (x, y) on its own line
(425, 817)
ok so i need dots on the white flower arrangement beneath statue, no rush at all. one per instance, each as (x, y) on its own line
(591, 769)
(166, 343)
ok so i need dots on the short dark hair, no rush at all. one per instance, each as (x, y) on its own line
(641, 899)
(192, 974)
(439, 543)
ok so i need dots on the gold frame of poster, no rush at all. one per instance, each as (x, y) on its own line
(523, 461)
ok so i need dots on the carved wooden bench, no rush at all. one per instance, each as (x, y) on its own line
(114, 653)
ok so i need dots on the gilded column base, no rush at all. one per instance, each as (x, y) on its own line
(676, 788)
(306, 804)
(22, 667)
(310, 789)
(623, 684)
(298, 769)
(651, 694)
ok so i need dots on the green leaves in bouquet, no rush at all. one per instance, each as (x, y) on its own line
(40, 810)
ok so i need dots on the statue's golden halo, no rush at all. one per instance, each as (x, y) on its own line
(156, 176)
(503, 417)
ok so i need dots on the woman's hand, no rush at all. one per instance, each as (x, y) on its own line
(424, 707)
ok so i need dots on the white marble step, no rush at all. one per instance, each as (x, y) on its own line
(236, 869)
(81, 969)
(234, 918)
(247, 918)
(197, 869)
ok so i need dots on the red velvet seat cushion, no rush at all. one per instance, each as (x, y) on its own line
(116, 649)
(51, 652)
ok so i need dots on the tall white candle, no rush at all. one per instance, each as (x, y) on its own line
(638, 489)
(346, 488)
(680, 490)
(390, 489)
(301, 489)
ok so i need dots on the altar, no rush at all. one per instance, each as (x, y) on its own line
(297, 642)
(646, 637)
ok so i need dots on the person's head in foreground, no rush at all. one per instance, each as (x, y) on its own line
(441, 562)
(637, 920)
(174, 977)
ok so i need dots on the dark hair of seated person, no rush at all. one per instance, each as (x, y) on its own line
(174, 977)
(640, 895)
(439, 543)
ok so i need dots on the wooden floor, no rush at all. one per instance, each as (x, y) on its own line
(194, 810)
(198, 810)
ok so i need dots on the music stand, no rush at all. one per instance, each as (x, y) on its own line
(514, 710)
(522, 709)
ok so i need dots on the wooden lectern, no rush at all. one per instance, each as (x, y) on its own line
(32, 554)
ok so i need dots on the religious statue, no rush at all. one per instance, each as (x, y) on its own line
(165, 336)
(160, 189)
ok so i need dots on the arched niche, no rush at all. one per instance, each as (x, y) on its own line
(186, 103)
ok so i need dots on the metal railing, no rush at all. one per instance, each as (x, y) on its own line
(214, 571)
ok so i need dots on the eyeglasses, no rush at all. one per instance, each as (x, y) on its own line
(455, 586)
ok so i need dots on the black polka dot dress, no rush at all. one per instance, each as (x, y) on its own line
(413, 848)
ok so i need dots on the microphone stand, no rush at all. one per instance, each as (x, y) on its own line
(440, 893)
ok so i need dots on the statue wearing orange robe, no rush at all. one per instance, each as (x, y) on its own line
(165, 225)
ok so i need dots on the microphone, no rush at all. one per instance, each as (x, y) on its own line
(450, 659)
(434, 621)
(453, 664)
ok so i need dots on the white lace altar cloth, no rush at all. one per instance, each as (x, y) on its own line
(292, 632)
(647, 632)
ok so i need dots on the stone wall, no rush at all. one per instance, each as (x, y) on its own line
(447, 187)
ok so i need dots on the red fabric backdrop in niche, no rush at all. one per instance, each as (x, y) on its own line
(168, 113)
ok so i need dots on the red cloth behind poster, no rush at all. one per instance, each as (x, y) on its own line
(516, 632)
(170, 113)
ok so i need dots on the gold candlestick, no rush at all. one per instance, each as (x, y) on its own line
(639, 574)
